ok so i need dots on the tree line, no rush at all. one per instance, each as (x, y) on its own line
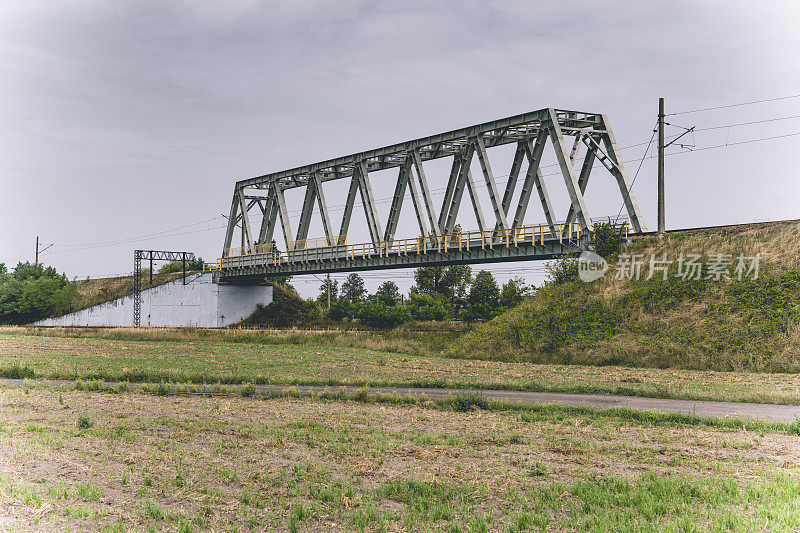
(31, 292)
(439, 293)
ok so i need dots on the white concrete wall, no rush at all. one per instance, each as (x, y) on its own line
(199, 303)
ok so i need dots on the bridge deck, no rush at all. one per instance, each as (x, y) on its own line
(256, 263)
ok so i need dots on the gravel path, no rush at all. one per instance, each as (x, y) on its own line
(768, 412)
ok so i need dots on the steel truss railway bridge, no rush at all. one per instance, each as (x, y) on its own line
(259, 203)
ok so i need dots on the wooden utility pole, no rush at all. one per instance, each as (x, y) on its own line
(661, 225)
(328, 284)
(37, 250)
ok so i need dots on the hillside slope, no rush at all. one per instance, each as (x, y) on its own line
(753, 324)
(92, 292)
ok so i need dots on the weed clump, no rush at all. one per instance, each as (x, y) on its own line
(84, 422)
(248, 390)
(17, 372)
(463, 403)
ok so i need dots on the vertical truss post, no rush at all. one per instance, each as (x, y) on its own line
(583, 178)
(397, 200)
(368, 201)
(448, 192)
(305, 215)
(458, 190)
(323, 208)
(348, 205)
(248, 234)
(426, 193)
(231, 225)
(268, 222)
(283, 214)
(415, 199)
(513, 175)
(568, 171)
(618, 170)
(491, 186)
(476, 203)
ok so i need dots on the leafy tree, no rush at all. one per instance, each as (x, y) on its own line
(428, 307)
(353, 289)
(388, 293)
(322, 299)
(451, 283)
(483, 302)
(32, 292)
(344, 310)
(513, 292)
(378, 315)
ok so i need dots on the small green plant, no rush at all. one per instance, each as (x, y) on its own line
(463, 403)
(84, 422)
(248, 390)
(163, 389)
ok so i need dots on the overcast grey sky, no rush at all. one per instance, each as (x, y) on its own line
(123, 119)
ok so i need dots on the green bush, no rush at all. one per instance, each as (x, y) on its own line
(344, 310)
(427, 307)
(177, 266)
(607, 239)
(562, 270)
(378, 315)
(463, 403)
(84, 422)
(248, 390)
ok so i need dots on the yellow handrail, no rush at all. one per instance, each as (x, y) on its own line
(421, 245)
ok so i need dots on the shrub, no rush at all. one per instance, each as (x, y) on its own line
(465, 402)
(84, 422)
(607, 239)
(562, 270)
(248, 389)
(427, 307)
(17, 372)
(344, 310)
(177, 266)
(378, 315)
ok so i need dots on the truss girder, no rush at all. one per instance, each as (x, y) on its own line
(531, 133)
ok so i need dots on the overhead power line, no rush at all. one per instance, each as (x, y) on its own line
(735, 105)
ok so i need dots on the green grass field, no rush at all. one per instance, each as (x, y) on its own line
(236, 358)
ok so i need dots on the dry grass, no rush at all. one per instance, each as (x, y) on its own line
(96, 291)
(194, 463)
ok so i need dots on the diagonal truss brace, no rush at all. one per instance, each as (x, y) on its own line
(530, 132)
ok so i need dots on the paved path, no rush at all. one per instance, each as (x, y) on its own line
(769, 412)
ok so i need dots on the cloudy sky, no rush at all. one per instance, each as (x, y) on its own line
(125, 124)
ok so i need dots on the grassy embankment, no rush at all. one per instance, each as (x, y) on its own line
(128, 461)
(751, 325)
(284, 357)
(100, 290)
